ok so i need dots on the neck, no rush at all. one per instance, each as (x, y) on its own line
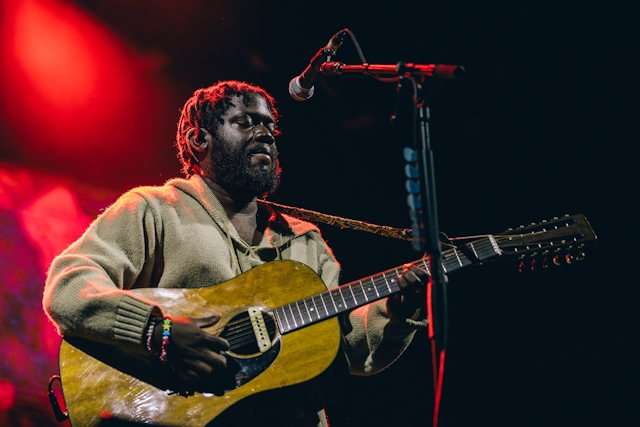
(235, 201)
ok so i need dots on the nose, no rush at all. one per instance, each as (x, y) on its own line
(263, 135)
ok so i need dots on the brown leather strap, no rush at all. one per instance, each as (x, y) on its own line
(313, 216)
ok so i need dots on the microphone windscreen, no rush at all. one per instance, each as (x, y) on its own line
(299, 93)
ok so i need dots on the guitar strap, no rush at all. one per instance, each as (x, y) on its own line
(337, 221)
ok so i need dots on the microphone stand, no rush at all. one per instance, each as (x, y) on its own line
(422, 197)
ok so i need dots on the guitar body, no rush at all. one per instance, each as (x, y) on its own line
(99, 379)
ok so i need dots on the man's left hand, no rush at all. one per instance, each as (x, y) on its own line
(411, 301)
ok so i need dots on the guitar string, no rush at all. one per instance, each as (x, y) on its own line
(241, 324)
(239, 343)
(247, 332)
(242, 335)
(366, 278)
(331, 295)
(243, 327)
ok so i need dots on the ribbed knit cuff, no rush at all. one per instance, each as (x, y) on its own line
(131, 320)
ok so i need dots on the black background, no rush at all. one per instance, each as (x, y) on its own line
(539, 127)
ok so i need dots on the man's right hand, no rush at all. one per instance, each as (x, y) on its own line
(196, 355)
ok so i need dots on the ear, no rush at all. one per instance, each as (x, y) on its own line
(195, 144)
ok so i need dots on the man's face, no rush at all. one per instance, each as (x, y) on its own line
(243, 151)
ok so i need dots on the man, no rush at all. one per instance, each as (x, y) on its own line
(203, 231)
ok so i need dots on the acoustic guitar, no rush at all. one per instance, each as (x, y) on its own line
(282, 326)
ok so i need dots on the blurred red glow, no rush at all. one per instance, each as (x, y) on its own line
(7, 394)
(55, 53)
(53, 221)
(70, 90)
(61, 67)
(40, 215)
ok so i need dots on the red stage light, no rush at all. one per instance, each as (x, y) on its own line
(55, 52)
(70, 90)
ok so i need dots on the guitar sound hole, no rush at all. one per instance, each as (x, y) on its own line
(241, 336)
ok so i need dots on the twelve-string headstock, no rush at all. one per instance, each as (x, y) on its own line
(557, 241)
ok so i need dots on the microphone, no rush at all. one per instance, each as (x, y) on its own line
(300, 87)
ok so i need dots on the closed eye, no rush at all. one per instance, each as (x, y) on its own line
(245, 122)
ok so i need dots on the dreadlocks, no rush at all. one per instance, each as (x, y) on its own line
(203, 111)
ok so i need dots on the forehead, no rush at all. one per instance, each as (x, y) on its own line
(251, 103)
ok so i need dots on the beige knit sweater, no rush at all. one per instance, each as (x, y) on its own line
(175, 236)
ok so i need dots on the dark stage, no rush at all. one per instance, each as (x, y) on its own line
(537, 128)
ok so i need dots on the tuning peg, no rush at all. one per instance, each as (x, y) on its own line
(545, 263)
(580, 256)
(568, 258)
(556, 260)
(533, 264)
(520, 266)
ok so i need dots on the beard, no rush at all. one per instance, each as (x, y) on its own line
(232, 169)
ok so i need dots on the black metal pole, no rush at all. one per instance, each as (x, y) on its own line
(424, 210)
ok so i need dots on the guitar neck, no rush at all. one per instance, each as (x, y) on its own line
(352, 295)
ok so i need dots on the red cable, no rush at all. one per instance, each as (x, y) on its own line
(436, 410)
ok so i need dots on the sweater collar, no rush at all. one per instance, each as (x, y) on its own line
(280, 228)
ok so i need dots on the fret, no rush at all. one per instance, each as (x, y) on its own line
(451, 262)
(375, 287)
(347, 297)
(307, 308)
(285, 318)
(342, 296)
(357, 291)
(325, 306)
(371, 296)
(298, 307)
(456, 253)
(474, 250)
(363, 291)
(394, 282)
(277, 313)
(386, 282)
(355, 301)
(316, 307)
(333, 301)
(426, 266)
(331, 306)
(293, 316)
(332, 293)
(380, 285)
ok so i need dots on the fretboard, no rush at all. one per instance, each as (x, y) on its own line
(360, 292)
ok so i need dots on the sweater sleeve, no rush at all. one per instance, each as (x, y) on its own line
(86, 289)
(372, 341)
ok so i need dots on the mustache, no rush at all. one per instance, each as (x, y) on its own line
(269, 150)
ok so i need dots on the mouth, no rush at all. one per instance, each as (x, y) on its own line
(261, 156)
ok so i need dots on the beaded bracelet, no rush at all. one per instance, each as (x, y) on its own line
(152, 325)
(166, 333)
